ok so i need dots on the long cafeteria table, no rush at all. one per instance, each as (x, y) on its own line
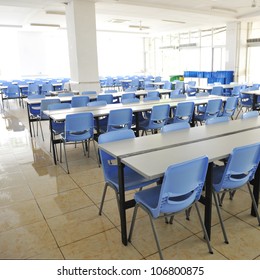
(151, 155)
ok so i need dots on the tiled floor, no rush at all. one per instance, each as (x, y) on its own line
(46, 213)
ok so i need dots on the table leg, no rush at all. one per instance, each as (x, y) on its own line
(122, 202)
(53, 144)
(208, 200)
(256, 189)
(254, 102)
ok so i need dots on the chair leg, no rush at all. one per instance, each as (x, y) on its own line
(204, 229)
(220, 218)
(133, 223)
(95, 150)
(156, 238)
(103, 199)
(254, 203)
(65, 155)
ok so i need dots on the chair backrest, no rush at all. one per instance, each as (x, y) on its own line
(245, 99)
(65, 94)
(46, 88)
(176, 93)
(175, 126)
(236, 90)
(202, 94)
(130, 100)
(217, 90)
(151, 98)
(79, 126)
(105, 158)
(59, 106)
(240, 168)
(44, 106)
(87, 92)
(217, 120)
(110, 91)
(157, 79)
(128, 95)
(167, 85)
(97, 103)
(13, 91)
(153, 94)
(179, 191)
(230, 106)
(179, 85)
(213, 108)
(184, 112)
(120, 119)
(33, 88)
(107, 97)
(159, 116)
(250, 114)
(79, 101)
(131, 89)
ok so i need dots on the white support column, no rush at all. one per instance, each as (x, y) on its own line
(81, 28)
(236, 50)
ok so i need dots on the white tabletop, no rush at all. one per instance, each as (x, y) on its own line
(154, 164)
(159, 141)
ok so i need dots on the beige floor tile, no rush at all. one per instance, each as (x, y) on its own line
(104, 246)
(78, 224)
(57, 204)
(192, 248)
(88, 177)
(47, 185)
(244, 240)
(19, 214)
(27, 241)
(14, 194)
(51, 254)
(248, 218)
(143, 238)
(14, 179)
(95, 192)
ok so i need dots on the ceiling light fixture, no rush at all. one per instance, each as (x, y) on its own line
(225, 10)
(174, 21)
(11, 25)
(45, 25)
(61, 13)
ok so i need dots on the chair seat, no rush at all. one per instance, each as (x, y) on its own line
(132, 179)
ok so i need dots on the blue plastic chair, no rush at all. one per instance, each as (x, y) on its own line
(157, 119)
(177, 193)
(97, 103)
(230, 106)
(12, 92)
(87, 92)
(65, 94)
(34, 109)
(239, 170)
(44, 106)
(130, 100)
(79, 101)
(245, 102)
(120, 119)
(190, 89)
(177, 93)
(217, 90)
(132, 179)
(250, 114)
(167, 85)
(236, 91)
(179, 85)
(79, 127)
(212, 110)
(46, 89)
(129, 95)
(217, 120)
(33, 88)
(107, 97)
(184, 112)
(175, 126)
(57, 127)
(151, 98)
(153, 93)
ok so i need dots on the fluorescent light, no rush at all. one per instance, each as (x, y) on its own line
(61, 13)
(45, 25)
(11, 25)
(223, 10)
(174, 21)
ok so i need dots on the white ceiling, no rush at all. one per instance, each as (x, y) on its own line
(161, 16)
